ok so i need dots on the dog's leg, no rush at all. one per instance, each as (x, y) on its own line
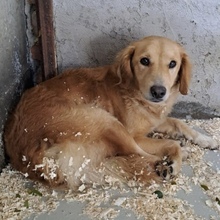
(169, 151)
(176, 128)
(103, 142)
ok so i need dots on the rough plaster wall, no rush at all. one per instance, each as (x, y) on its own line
(90, 32)
(13, 58)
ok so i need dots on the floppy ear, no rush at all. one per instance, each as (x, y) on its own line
(185, 74)
(124, 65)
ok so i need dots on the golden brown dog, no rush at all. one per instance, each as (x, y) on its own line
(88, 123)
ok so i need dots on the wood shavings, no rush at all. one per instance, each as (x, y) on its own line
(71, 161)
(24, 158)
(51, 166)
(17, 202)
(78, 134)
(119, 201)
(81, 188)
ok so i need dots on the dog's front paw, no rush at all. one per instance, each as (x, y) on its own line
(206, 142)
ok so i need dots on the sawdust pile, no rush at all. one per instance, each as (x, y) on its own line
(20, 198)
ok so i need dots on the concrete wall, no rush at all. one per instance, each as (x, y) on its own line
(91, 32)
(13, 58)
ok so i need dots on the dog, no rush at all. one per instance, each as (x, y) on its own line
(90, 123)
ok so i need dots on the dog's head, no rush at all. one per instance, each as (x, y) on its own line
(157, 65)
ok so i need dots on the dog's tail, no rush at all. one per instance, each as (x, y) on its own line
(131, 170)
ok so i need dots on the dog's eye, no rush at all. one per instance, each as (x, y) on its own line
(145, 61)
(172, 64)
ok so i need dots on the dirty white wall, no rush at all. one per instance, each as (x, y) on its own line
(13, 57)
(91, 32)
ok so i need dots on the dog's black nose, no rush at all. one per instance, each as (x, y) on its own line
(158, 92)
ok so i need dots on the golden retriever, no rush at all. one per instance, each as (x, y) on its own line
(88, 123)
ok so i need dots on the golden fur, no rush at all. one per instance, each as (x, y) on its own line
(88, 123)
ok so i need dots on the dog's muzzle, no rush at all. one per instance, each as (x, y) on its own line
(157, 93)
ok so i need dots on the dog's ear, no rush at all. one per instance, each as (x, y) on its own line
(124, 66)
(185, 74)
